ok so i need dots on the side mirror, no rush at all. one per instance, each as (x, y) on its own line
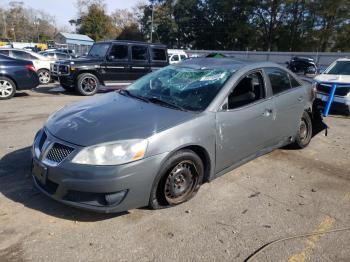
(311, 71)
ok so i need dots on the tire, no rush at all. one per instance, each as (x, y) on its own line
(7, 88)
(87, 84)
(178, 180)
(304, 135)
(44, 76)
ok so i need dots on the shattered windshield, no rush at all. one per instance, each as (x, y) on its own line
(99, 50)
(186, 88)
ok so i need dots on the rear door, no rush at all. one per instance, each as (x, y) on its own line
(140, 61)
(289, 98)
(117, 63)
(244, 126)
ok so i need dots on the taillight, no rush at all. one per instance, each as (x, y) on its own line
(31, 68)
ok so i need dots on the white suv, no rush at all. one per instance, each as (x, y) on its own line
(337, 73)
(41, 63)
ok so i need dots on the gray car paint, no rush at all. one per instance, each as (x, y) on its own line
(228, 137)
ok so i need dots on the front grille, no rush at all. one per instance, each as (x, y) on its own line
(63, 69)
(59, 152)
(339, 91)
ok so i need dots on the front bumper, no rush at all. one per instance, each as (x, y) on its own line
(340, 103)
(106, 189)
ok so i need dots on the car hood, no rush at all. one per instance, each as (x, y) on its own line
(80, 61)
(333, 78)
(112, 117)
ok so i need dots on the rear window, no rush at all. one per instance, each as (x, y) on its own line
(139, 52)
(5, 52)
(158, 54)
(22, 55)
(279, 80)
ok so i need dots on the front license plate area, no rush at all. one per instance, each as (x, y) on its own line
(39, 171)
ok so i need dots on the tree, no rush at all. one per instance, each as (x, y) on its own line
(97, 24)
(131, 32)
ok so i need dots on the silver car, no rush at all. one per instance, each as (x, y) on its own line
(156, 142)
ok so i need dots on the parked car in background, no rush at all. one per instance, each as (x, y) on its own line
(111, 62)
(302, 65)
(157, 141)
(41, 63)
(56, 55)
(337, 73)
(176, 56)
(16, 75)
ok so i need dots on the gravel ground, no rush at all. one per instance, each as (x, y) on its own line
(285, 193)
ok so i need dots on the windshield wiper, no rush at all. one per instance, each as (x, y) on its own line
(125, 92)
(158, 101)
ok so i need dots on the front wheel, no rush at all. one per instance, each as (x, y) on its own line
(180, 178)
(304, 135)
(7, 88)
(87, 84)
(44, 76)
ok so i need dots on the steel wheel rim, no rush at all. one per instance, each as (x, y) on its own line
(6, 89)
(44, 77)
(181, 182)
(303, 130)
(88, 84)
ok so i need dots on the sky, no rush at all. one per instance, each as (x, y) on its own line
(64, 10)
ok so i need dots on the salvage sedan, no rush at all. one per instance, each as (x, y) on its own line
(156, 142)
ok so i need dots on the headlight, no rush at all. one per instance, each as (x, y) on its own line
(113, 153)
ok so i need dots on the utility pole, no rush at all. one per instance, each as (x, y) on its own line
(36, 22)
(152, 23)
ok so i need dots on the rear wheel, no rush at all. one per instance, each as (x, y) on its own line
(304, 135)
(44, 76)
(179, 180)
(87, 84)
(7, 88)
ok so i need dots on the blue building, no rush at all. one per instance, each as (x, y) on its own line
(81, 44)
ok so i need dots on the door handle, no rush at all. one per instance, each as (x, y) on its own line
(300, 98)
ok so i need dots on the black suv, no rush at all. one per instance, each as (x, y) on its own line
(109, 63)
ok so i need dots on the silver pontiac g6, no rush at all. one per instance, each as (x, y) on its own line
(157, 141)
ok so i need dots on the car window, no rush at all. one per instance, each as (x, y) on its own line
(51, 55)
(249, 90)
(158, 54)
(183, 57)
(5, 52)
(62, 56)
(175, 58)
(120, 52)
(22, 55)
(293, 81)
(279, 80)
(99, 50)
(139, 52)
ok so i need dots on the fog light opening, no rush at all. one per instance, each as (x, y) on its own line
(115, 198)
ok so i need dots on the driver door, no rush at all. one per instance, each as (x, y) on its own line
(244, 124)
(116, 66)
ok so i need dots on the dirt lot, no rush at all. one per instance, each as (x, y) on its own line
(282, 194)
